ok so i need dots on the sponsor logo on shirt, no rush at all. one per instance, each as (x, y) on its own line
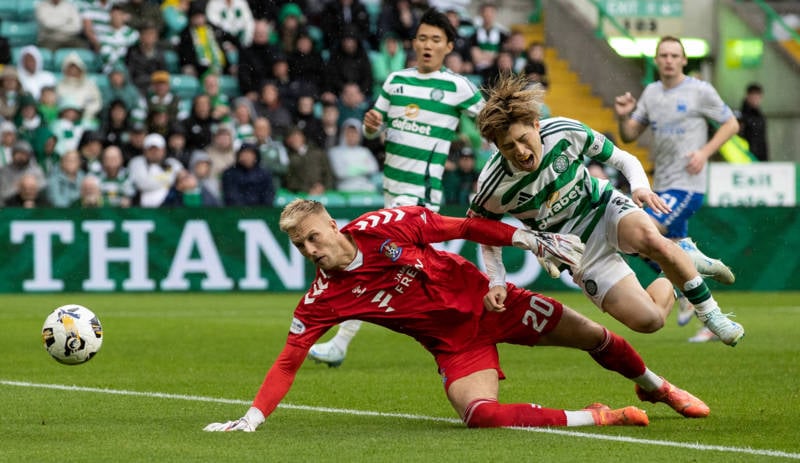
(557, 203)
(405, 278)
(358, 290)
(411, 126)
(391, 250)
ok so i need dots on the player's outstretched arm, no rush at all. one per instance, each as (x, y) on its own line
(276, 385)
(552, 249)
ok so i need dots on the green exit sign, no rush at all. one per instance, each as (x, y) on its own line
(644, 8)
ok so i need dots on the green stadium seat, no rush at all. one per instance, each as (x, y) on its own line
(330, 199)
(284, 197)
(365, 199)
(184, 86)
(173, 61)
(229, 85)
(25, 8)
(19, 32)
(101, 80)
(475, 79)
(317, 37)
(88, 57)
(8, 10)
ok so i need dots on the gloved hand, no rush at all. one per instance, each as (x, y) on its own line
(551, 249)
(248, 423)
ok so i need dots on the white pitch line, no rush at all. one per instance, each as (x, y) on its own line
(562, 432)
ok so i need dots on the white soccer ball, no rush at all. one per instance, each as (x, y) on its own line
(72, 334)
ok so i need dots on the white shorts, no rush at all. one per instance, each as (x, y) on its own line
(602, 265)
(391, 201)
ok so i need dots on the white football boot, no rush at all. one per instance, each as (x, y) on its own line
(729, 332)
(328, 353)
(706, 266)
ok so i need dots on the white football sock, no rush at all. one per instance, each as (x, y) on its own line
(346, 333)
(649, 381)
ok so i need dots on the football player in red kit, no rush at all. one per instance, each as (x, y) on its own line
(381, 268)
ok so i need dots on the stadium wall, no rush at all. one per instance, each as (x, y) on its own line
(109, 250)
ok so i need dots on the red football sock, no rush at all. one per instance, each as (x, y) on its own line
(616, 354)
(487, 413)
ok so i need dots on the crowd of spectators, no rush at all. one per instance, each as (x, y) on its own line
(195, 103)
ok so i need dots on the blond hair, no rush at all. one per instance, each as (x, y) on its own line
(512, 99)
(297, 210)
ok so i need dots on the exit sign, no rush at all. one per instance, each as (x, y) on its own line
(644, 8)
(644, 18)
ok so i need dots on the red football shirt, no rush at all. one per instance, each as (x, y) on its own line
(401, 282)
(397, 280)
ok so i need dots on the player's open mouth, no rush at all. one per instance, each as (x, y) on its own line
(526, 162)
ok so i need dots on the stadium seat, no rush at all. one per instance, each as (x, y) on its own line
(87, 56)
(365, 199)
(173, 61)
(229, 85)
(316, 36)
(232, 56)
(19, 32)
(184, 86)
(475, 79)
(47, 57)
(102, 83)
(25, 8)
(283, 197)
(8, 10)
(330, 199)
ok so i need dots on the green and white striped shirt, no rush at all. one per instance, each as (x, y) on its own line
(97, 13)
(421, 114)
(560, 195)
(114, 45)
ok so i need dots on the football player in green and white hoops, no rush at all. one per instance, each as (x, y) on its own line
(419, 109)
(538, 176)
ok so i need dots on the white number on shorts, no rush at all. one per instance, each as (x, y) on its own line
(543, 307)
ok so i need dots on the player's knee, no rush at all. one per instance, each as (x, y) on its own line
(646, 322)
(482, 413)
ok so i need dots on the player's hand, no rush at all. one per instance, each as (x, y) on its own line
(494, 299)
(552, 249)
(372, 121)
(238, 425)
(696, 162)
(248, 423)
(624, 104)
(645, 197)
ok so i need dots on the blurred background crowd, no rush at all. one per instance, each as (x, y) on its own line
(220, 102)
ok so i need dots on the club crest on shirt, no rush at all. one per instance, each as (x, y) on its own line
(391, 250)
(297, 327)
(560, 164)
(682, 106)
(437, 94)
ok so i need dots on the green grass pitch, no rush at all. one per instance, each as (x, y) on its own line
(171, 363)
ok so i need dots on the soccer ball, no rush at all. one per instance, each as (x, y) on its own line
(72, 334)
